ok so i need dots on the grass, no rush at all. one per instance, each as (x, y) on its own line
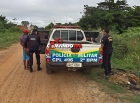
(8, 38)
(127, 65)
(98, 76)
(126, 53)
(135, 99)
(115, 90)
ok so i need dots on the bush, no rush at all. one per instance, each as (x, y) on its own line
(126, 53)
(13, 29)
(9, 37)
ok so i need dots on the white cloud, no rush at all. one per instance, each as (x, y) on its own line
(43, 12)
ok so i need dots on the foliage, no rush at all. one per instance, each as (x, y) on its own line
(115, 15)
(4, 24)
(41, 28)
(51, 25)
(9, 33)
(8, 38)
(135, 99)
(13, 29)
(36, 27)
(126, 53)
(25, 23)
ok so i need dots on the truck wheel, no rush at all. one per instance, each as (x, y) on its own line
(49, 70)
(87, 70)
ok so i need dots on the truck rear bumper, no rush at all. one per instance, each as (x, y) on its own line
(63, 64)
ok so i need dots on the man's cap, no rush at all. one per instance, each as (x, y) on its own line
(25, 31)
(34, 30)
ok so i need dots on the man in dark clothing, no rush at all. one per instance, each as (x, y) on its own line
(106, 45)
(33, 41)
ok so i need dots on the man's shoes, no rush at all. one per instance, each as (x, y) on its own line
(39, 69)
(106, 75)
(111, 73)
(28, 66)
(31, 69)
(102, 66)
(24, 66)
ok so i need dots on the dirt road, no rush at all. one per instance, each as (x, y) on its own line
(18, 85)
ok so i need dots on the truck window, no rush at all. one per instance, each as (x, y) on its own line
(68, 35)
(56, 34)
(80, 35)
(64, 34)
(95, 35)
(72, 35)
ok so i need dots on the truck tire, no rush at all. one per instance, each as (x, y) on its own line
(42, 48)
(49, 70)
(87, 70)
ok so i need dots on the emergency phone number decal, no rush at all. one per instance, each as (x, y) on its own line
(63, 57)
(74, 59)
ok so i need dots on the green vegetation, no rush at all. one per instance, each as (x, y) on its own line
(9, 33)
(135, 99)
(98, 75)
(126, 53)
(25, 23)
(8, 38)
(115, 15)
(116, 91)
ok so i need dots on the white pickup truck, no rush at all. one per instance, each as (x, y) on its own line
(67, 47)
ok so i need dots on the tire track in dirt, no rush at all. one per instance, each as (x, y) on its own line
(20, 86)
(10, 75)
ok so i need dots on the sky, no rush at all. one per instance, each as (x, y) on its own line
(43, 12)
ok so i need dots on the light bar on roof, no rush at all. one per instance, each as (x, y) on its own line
(73, 27)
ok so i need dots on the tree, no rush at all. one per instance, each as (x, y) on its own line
(25, 23)
(41, 28)
(3, 19)
(50, 26)
(14, 20)
(4, 24)
(35, 27)
(134, 16)
(115, 15)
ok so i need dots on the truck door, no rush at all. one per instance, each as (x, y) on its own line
(44, 37)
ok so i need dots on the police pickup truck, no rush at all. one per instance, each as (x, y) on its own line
(67, 47)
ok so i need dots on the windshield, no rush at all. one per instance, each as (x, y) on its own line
(68, 35)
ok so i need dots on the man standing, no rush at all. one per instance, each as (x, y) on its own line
(106, 45)
(25, 57)
(33, 41)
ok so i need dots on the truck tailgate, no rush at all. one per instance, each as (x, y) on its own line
(87, 53)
